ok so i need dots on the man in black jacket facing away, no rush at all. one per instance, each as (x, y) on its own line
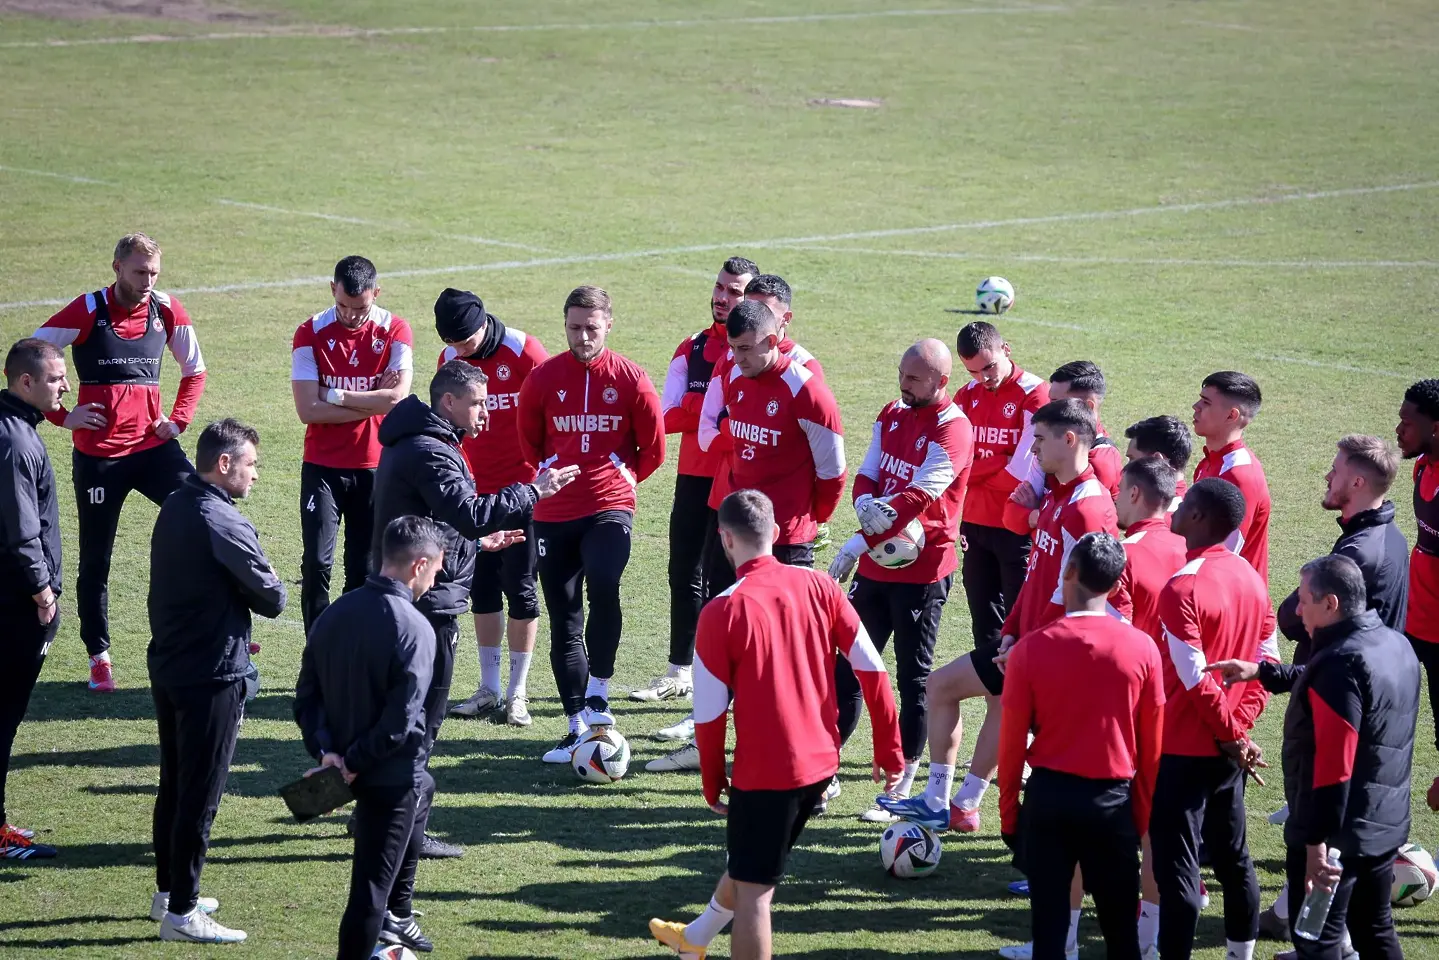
(423, 473)
(29, 551)
(1363, 471)
(360, 706)
(199, 653)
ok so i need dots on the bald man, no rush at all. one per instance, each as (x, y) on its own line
(916, 469)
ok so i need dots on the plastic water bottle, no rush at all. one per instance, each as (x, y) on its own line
(1316, 906)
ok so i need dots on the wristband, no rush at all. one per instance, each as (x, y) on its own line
(332, 396)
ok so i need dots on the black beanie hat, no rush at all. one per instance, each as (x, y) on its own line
(459, 314)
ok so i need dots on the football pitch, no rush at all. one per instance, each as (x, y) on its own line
(1173, 188)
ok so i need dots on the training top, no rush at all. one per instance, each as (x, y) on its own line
(603, 415)
(116, 357)
(784, 431)
(495, 456)
(1111, 730)
(683, 397)
(712, 438)
(1238, 464)
(1104, 457)
(1215, 608)
(919, 457)
(1003, 441)
(1068, 512)
(769, 642)
(1155, 553)
(325, 350)
(1423, 619)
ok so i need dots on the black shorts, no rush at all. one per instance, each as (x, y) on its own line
(763, 826)
(987, 670)
(507, 574)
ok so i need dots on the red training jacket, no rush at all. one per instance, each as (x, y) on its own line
(1003, 439)
(496, 457)
(1154, 554)
(1238, 464)
(686, 381)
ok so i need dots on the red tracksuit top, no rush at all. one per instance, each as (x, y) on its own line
(1112, 730)
(1154, 554)
(686, 381)
(1215, 608)
(1003, 439)
(130, 409)
(714, 440)
(604, 416)
(324, 350)
(1067, 512)
(1238, 464)
(920, 457)
(496, 457)
(770, 642)
(787, 442)
(1422, 620)
(1108, 464)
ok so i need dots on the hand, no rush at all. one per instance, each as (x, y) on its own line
(1006, 644)
(500, 539)
(1235, 671)
(48, 612)
(890, 778)
(875, 516)
(1318, 871)
(849, 553)
(1025, 496)
(86, 416)
(332, 760)
(554, 479)
(165, 429)
(720, 806)
(388, 380)
(1432, 797)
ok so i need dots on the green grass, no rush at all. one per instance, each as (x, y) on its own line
(1019, 129)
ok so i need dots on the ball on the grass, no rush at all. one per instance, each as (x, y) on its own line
(394, 952)
(994, 295)
(909, 850)
(1414, 876)
(900, 550)
(602, 757)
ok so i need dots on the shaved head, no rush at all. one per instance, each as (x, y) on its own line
(924, 373)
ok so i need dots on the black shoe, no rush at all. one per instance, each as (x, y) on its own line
(406, 933)
(433, 848)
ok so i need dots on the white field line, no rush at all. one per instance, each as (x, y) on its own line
(57, 176)
(1217, 25)
(1055, 324)
(390, 224)
(781, 242)
(1344, 367)
(325, 32)
(1128, 261)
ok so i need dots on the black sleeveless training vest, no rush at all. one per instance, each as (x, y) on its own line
(106, 358)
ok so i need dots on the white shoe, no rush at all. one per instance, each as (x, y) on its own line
(1150, 952)
(663, 688)
(686, 757)
(1279, 816)
(199, 927)
(878, 814)
(832, 791)
(564, 751)
(597, 712)
(1025, 951)
(517, 711)
(484, 701)
(684, 730)
(160, 905)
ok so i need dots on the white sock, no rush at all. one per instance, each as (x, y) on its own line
(941, 782)
(1281, 906)
(394, 919)
(680, 673)
(906, 781)
(519, 674)
(102, 657)
(1239, 949)
(180, 919)
(577, 725)
(598, 688)
(490, 668)
(709, 924)
(1071, 942)
(971, 791)
(1148, 924)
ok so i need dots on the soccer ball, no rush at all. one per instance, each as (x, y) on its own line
(393, 952)
(995, 295)
(602, 757)
(909, 850)
(902, 549)
(1414, 876)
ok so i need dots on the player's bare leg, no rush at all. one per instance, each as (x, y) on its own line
(751, 939)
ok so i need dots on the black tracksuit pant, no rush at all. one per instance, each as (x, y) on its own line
(387, 851)
(198, 726)
(992, 566)
(437, 706)
(101, 485)
(1200, 798)
(691, 520)
(327, 496)
(585, 555)
(24, 642)
(910, 612)
(1361, 902)
(1068, 821)
(1428, 654)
